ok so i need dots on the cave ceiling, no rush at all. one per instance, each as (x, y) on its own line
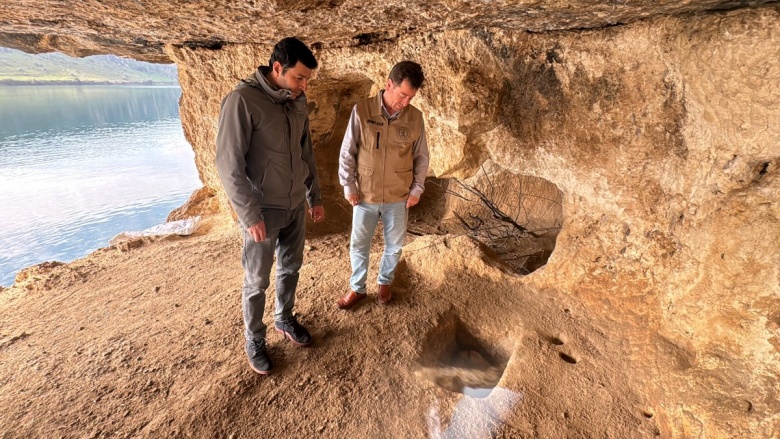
(140, 29)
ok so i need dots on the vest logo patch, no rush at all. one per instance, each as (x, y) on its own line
(373, 122)
(403, 133)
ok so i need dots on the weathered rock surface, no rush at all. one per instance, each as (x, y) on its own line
(661, 135)
(201, 202)
(141, 29)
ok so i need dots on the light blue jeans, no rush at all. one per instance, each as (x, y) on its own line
(365, 217)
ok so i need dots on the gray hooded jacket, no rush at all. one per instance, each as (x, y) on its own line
(264, 151)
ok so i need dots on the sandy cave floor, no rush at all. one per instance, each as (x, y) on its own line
(147, 342)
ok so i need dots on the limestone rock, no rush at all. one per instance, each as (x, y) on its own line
(142, 29)
(36, 272)
(660, 133)
(202, 201)
(659, 136)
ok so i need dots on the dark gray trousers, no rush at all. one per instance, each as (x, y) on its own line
(285, 234)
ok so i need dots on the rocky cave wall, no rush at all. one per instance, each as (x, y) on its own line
(662, 137)
(140, 29)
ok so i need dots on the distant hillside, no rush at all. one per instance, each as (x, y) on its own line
(19, 68)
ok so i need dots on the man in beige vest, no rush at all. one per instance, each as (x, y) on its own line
(382, 166)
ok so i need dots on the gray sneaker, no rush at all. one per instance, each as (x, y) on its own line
(259, 360)
(294, 331)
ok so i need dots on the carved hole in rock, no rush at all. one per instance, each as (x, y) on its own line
(554, 340)
(568, 358)
(456, 360)
(516, 216)
(762, 169)
(330, 102)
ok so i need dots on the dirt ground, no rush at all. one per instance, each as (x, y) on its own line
(146, 341)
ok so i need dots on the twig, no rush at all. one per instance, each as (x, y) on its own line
(497, 213)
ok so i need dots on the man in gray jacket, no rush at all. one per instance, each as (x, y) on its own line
(266, 164)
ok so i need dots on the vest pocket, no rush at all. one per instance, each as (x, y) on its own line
(403, 183)
(364, 180)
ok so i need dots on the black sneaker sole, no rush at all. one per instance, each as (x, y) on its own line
(261, 372)
(289, 337)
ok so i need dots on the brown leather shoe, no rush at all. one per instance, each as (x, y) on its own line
(383, 295)
(350, 300)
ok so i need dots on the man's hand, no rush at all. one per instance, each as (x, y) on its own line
(257, 231)
(317, 213)
(411, 201)
(354, 199)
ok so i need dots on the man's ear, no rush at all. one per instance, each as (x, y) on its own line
(277, 68)
(389, 83)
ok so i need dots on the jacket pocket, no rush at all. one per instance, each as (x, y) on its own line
(263, 175)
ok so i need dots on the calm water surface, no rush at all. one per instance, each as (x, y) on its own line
(80, 164)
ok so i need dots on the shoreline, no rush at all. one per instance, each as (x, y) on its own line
(15, 83)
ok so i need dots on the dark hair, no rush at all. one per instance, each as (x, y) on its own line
(289, 51)
(409, 70)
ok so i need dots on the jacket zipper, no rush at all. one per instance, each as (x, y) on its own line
(384, 161)
(288, 136)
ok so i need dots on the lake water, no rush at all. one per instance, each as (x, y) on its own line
(80, 164)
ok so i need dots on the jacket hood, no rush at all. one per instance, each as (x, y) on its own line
(279, 95)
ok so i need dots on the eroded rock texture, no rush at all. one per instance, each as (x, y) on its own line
(661, 135)
(141, 29)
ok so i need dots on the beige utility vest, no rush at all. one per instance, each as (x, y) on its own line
(384, 158)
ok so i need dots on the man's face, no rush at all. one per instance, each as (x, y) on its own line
(295, 79)
(397, 97)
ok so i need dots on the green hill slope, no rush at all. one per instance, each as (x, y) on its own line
(19, 68)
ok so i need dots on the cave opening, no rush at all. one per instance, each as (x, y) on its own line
(89, 147)
(517, 216)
